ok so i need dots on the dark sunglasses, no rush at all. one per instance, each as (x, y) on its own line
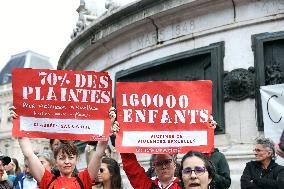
(198, 170)
(101, 170)
(166, 162)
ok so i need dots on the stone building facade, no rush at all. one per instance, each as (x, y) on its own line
(238, 44)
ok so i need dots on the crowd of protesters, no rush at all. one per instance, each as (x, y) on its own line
(196, 170)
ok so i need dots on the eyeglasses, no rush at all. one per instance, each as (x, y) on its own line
(101, 170)
(166, 162)
(198, 170)
(257, 150)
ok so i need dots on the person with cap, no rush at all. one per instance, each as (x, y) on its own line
(4, 183)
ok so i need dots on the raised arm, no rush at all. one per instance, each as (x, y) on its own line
(35, 166)
(135, 172)
(95, 163)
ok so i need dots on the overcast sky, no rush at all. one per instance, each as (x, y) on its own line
(43, 26)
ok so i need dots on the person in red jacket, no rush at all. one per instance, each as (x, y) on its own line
(164, 166)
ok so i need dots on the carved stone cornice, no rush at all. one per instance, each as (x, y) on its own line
(141, 15)
(239, 84)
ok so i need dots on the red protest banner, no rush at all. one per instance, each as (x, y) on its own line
(164, 117)
(61, 104)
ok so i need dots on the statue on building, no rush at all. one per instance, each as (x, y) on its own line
(111, 5)
(87, 14)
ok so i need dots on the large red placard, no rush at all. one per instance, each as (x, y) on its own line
(61, 104)
(164, 116)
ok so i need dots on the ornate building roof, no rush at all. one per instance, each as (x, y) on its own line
(8, 144)
(28, 59)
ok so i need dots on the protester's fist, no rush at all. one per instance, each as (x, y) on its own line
(112, 114)
(114, 128)
(213, 123)
(12, 113)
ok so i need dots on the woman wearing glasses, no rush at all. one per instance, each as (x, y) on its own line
(109, 175)
(197, 171)
(164, 166)
(263, 172)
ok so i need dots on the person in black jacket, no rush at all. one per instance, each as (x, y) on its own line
(263, 173)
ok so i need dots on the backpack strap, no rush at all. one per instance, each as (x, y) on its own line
(79, 181)
(51, 181)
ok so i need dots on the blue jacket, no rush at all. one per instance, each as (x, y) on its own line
(22, 180)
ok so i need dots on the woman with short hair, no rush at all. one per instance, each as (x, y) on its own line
(263, 172)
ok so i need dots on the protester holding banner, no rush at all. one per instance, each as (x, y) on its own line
(164, 165)
(263, 172)
(66, 158)
(197, 171)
